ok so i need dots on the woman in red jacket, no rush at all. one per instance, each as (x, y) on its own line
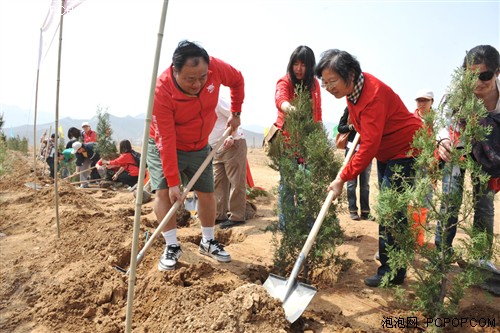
(128, 171)
(386, 128)
(300, 73)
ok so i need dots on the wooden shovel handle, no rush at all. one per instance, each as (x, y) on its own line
(177, 204)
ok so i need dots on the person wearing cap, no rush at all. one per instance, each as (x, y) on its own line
(86, 158)
(88, 134)
(386, 129)
(424, 100)
(183, 117)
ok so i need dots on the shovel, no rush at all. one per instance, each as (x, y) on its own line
(297, 295)
(178, 203)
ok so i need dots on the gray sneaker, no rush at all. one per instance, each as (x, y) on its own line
(169, 258)
(213, 249)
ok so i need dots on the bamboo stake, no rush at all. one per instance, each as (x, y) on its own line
(142, 173)
(56, 139)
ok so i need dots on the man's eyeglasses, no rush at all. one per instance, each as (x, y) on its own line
(486, 76)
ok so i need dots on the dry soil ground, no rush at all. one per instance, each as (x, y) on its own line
(69, 284)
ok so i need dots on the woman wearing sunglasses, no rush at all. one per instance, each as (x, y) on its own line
(485, 60)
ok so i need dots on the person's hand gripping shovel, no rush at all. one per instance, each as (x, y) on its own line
(297, 295)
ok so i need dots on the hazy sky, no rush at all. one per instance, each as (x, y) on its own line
(108, 47)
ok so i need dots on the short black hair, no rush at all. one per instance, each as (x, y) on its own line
(186, 50)
(341, 62)
(483, 54)
(74, 133)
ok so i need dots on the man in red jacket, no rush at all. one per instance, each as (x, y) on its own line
(183, 118)
(386, 128)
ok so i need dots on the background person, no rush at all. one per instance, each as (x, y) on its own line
(74, 134)
(86, 159)
(186, 96)
(128, 170)
(424, 100)
(300, 72)
(229, 170)
(386, 128)
(363, 179)
(88, 134)
(51, 153)
(484, 59)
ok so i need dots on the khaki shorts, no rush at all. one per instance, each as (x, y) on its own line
(188, 163)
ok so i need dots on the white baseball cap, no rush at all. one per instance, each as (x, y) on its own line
(85, 123)
(425, 93)
(76, 145)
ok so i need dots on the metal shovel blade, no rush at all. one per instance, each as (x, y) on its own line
(298, 298)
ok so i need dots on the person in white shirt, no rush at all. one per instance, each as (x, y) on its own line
(229, 170)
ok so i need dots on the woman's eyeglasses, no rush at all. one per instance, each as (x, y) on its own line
(328, 85)
(486, 76)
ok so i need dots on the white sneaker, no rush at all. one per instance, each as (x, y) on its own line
(169, 258)
(213, 249)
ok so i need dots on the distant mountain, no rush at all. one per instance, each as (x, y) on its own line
(14, 116)
(131, 128)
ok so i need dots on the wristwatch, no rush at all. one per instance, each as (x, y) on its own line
(236, 114)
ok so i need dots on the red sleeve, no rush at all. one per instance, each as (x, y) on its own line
(371, 128)
(93, 136)
(122, 160)
(127, 161)
(316, 99)
(284, 93)
(233, 79)
(165, 136)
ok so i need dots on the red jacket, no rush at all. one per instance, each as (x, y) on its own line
(126, 161)
(285, 92)
(89, 136)
(182, 122)
(384, 123)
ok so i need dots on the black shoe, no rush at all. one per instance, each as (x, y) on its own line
(376, 281)
(220, 221)
(367, 216)
(354, 216)
(230, 223)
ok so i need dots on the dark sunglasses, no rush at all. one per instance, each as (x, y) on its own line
(486, 76)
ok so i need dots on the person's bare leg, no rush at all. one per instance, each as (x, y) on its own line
(161, 207)
(206, 208)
